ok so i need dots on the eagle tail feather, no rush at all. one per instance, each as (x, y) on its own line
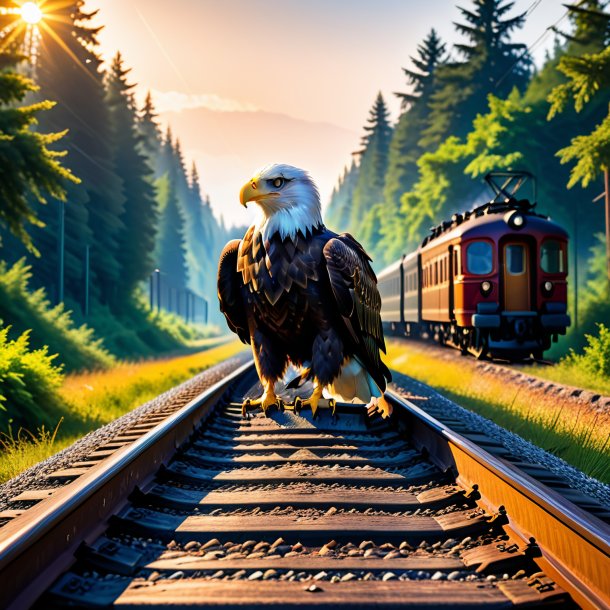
(354, 383)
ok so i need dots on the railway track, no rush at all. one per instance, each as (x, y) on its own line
(203, 508)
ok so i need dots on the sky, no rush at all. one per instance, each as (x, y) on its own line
(248, 82)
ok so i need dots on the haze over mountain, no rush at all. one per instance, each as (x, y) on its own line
(229, 146)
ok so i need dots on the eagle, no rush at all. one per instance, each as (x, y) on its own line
(301, 294)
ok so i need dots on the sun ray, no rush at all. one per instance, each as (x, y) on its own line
(49, 30)
(12, 36)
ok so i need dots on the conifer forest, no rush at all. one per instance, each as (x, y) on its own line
(109, 242)
(482, 105)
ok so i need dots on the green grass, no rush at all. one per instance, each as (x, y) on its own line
(588, 369)
(578, 435)
(90, 400)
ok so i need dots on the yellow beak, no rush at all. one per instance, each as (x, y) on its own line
(248, 192)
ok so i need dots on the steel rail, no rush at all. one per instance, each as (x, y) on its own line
(40, 545)
(575, 545)
(37, 547)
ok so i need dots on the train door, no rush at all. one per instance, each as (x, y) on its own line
(452, 274)
(516, 257)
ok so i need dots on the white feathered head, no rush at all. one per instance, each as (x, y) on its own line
(288, 198)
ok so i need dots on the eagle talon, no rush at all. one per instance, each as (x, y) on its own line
(379, 406)
(311, 402)
(267, 400)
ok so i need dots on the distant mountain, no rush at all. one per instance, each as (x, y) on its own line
(229, 146)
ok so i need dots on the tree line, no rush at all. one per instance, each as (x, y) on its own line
(484, 106)
(94, 195)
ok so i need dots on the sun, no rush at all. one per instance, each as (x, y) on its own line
(31, 13)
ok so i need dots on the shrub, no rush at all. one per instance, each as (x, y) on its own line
(135, 331)
(50, 326)
(29, 381)
(595, 359)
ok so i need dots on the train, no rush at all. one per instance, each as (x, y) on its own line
(491, 282)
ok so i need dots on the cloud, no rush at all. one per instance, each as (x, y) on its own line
(175, 101)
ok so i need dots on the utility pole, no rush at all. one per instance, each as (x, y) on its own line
(60, 246)
(151, 288)
(87, 267)
(158, 273)
(605, 195)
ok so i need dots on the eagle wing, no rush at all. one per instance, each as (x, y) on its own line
(230, 285)
(354, 286)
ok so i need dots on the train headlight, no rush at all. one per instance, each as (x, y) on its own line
(486, 288)
(515, 220)
(547, 288)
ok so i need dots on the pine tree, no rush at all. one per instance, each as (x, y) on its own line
(28, 168)
(68, 71)
(404, 147)
(491, 64)
(139, 218)
(151, 140)
(340, 205)
(430, 54)
(373, 165)
(210, 243)
(170, 251)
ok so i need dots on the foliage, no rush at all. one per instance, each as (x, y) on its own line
(492, 63)
(587, 75)
(45, 325)
(593, 363)
(29, 169)
(28, 381)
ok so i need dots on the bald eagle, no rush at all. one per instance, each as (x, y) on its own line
(301, 294)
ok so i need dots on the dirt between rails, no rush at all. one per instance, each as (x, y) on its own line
(535, 388)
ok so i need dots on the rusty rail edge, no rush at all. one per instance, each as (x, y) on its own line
(36, 547)
(575, 545)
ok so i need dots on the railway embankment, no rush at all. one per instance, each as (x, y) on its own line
(571, 423)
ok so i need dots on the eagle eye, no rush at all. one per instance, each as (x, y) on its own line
(277, 183)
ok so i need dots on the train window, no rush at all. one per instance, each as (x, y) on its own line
(479, 259)
(436, 272)
(455, 263)
(515, 259)
(552, 258)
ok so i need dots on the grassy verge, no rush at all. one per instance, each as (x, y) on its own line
(588, 369)
(94, 399)
(567, 373)
(579, 436)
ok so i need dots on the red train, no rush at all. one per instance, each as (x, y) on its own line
(492, 282)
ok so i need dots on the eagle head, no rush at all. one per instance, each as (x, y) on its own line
(288, 199)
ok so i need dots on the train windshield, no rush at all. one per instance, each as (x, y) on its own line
(552, 259)
(515, 259)
(479, 259)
